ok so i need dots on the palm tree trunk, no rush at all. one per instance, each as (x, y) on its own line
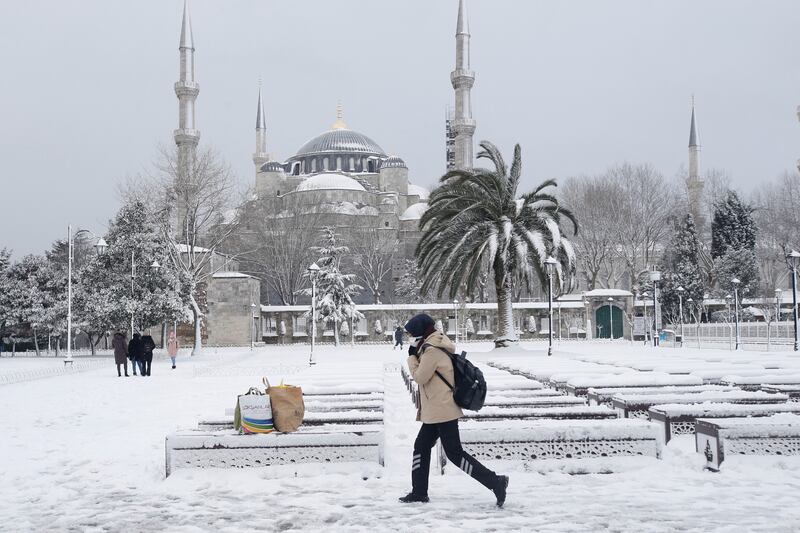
(506, 335)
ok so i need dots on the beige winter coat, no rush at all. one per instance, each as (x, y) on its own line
(436, 398)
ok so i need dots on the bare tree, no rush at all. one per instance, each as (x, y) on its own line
(198, 215)
(276, 245)
(374, 252)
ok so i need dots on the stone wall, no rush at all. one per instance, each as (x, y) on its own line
(230, 319)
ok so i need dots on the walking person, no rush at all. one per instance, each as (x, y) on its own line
(120, 352)
(430, 366)
(135, 352)
(172, 347)
(398, 338)
(148, 345)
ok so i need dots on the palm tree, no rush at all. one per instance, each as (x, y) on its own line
(475, 218)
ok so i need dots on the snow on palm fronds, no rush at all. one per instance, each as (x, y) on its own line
(475, 217)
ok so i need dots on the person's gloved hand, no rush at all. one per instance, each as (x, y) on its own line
(413, 346)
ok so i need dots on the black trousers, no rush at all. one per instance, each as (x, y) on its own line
(451, 442)
(119, 366)
(147, 361)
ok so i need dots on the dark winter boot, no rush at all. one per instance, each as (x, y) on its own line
(500, 490)
(414, 498)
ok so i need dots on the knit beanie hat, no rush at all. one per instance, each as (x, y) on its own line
(420, 325)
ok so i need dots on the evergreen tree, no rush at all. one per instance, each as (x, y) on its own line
(733, 226)
(741, 264)
(335, 290)
(681, 268)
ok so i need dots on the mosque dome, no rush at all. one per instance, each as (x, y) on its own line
(271, 166)
(330, 180)
(422, 192)
(414, 212)
(393, 162)
(341, 141)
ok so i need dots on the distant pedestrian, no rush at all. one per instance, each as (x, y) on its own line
(432, 369)
(148, 345)
(135, 353)
(172, 347)
(120, 352)
(398, 338)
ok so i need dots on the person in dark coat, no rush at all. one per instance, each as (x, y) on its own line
(432, 369)
(148, 345)
(135, 353)
(120, 352)
(398, 338)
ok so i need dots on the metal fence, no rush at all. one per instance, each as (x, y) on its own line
(752, 335)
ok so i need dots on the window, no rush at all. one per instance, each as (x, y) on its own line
(386, 224)
(451, 325)
(361, 327)
(299, 326)
(485, 325)
(296, 169)
(325, 163)
(352, 164)
(313, 165)
(338, 163)
(371, 166)
(269, 327)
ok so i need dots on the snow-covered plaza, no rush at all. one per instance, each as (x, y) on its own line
(84, 450)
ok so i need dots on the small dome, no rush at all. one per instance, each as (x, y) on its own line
(393, 162)
(414, 212)
(416, 190)
(271, 166)
(330, 180)
(341, 141)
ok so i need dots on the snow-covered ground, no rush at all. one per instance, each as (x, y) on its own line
(84, 451)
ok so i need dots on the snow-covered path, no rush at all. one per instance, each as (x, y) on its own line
(85, 452)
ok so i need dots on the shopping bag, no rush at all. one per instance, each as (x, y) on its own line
(288, 407)
(253, 413)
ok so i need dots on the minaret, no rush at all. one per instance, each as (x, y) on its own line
(463, 79)
(694, 184)
(260, 156)
(187, 135)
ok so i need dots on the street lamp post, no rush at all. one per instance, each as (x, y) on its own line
(550, 265)
(313, 271)
(610, 318)
(455, 311)
(736, 282)
(778, 298)
(252, 325)
(690, 305)
(655, 277)
(792, 260)
(680, 309)
(100, 247)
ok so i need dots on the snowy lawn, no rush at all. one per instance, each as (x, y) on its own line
(84, 451)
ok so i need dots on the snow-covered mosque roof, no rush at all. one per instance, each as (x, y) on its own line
(422, 192)
(330, 180)
(414, 212)
(342, 141)
(599, 293)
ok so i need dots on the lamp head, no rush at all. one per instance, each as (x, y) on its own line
(550, 264)
(101, 246)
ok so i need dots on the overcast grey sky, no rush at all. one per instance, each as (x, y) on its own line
(86, 88)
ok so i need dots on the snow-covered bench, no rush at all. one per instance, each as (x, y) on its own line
(638, 405)
(717, 438)
(557, 439)
(603, 395)
(579, 386)
(756, 382)
(574, 412)
(321, 418)
(679, 419)
(792, 391)
(198, 449)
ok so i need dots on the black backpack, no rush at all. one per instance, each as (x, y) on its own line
(469, 391)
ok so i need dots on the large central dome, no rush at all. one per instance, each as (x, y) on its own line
(341, 141)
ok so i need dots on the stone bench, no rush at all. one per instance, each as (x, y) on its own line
(718, 438)
(576, 412)
(310, 419)
(603, 395)
(580, 386)
(754, 383)
(792, 391)
(556, 439)
(638, 405)
(199, 449)
(679, 419)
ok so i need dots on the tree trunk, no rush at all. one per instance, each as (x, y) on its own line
(36, 343)
(164, 335)
(197, 315)
(336, 333)
(507, 336)
(58, 346)
(93, 343)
